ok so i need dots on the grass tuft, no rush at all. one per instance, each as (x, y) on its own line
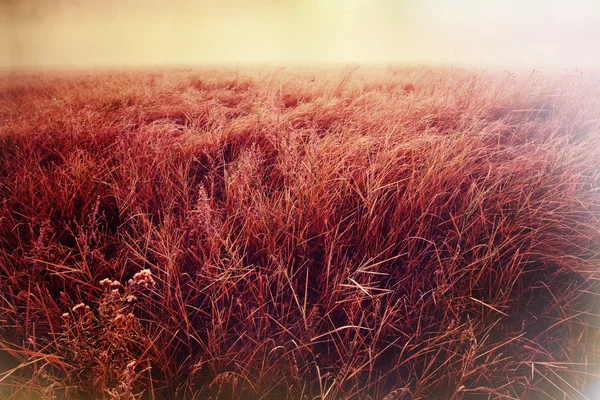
(382, 234)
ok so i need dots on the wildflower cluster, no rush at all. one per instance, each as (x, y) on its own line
(142, 278)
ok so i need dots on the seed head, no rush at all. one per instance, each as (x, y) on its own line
(131, 298)
(143, 278)
(105, 282)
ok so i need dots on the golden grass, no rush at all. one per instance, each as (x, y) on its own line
(383, 234)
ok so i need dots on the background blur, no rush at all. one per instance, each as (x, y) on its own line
(135, 32)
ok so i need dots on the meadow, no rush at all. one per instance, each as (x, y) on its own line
(335, 233)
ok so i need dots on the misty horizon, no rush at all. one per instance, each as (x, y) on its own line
(65, 33)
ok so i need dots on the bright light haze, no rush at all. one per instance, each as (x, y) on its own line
(166, 32)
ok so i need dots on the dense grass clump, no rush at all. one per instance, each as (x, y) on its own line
(364, 234)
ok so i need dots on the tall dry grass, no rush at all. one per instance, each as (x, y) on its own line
(384, 234)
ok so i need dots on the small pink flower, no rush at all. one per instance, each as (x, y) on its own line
(143, 278)
(105, 282)
(78, 306)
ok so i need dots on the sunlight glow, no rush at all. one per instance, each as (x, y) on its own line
(132, 32)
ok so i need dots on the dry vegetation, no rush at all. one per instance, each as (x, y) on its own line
(365, 234)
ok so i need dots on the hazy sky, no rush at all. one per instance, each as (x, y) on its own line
(132, 32)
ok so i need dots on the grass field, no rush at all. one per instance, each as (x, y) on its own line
(382, 233)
